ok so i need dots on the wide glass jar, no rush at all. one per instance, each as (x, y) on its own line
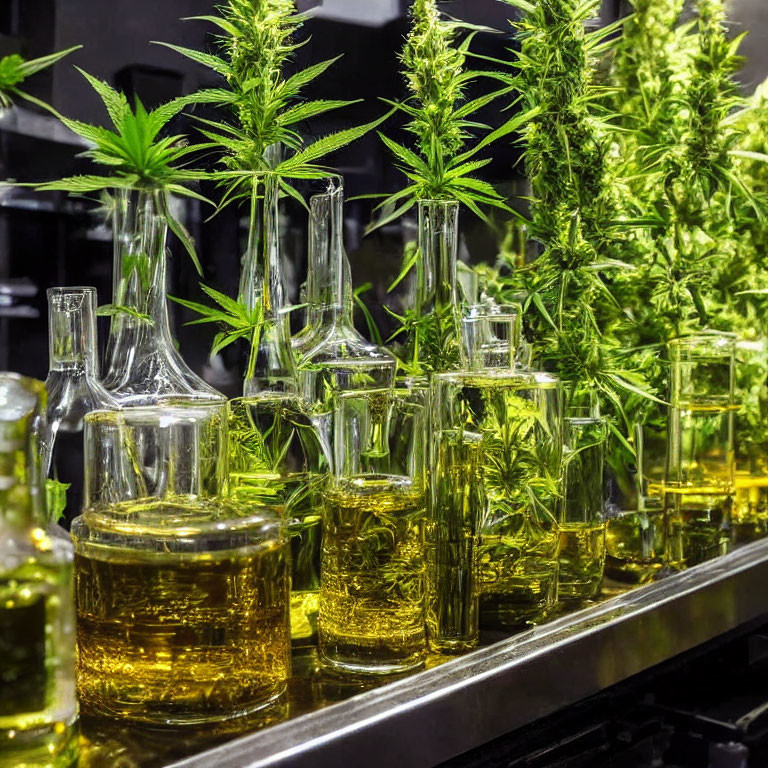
(182, 594)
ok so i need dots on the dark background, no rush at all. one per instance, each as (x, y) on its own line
(49, 239)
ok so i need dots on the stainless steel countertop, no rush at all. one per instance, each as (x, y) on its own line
(430, 717)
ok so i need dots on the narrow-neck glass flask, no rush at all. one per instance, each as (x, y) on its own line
(372, 595)
(699, 482)
(38, 708)
(143, 364)
(73, 390)
(340, 360)
(182, 594)
(274, 453)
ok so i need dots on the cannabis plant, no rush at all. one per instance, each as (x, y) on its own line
(570, 310)
(135, 154)
(443, 158)
(14, 70)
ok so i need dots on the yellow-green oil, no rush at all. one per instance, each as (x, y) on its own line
(372, 597)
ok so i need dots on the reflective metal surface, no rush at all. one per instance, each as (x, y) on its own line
(427, 718)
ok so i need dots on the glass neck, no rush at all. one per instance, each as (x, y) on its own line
(72, 329)
(439, 246)
(21, 497)
(329, 281)
(139, 279)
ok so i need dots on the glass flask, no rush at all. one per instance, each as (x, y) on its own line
(699, 483)
(372, 595)
(434, 332)
(582, 526)
(38, 708)
(496, 494)
(73, 390)
(341, 359)
(634, 543)
(143, 363)
(750, 512)
(182, 594)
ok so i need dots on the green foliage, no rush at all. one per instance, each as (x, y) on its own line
(14, 70)
(442, 163)
(257, 43)
(571, 314)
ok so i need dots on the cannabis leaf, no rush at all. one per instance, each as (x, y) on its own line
(14, 70)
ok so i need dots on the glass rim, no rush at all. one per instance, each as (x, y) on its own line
(177, 410)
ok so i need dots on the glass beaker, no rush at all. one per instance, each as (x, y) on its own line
(699, 481)
(372, 593)
(182, 594)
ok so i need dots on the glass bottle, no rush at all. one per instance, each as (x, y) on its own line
(341, 360)
(496, 490)
(582, 526)
(699, 482)
(38, 708)
(750, 512)
(434, 334)
(274, 453)
(182, 594)
(143, 363)
(372, 595)
(73, 390)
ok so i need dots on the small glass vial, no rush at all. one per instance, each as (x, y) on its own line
(582, 526)
(182, 595)
(38, 708)
(73, 390)
(699, 485)
(373, 569)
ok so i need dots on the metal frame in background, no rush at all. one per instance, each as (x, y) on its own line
(426, 719)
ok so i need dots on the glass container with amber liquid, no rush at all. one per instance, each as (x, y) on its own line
(582, 527)
(38, 708)
(372, 595)
(496, 488)
(182, 594)
(699, 485)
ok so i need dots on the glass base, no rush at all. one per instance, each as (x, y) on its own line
(54, 745)
(357, 667)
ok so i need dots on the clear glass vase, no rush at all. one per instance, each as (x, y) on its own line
(38, 708)
(582, 526)
(699, 483)
(496, 491)
(372, 595)
(182, 594)
(143, 363)
(73, 390)
(434, 331)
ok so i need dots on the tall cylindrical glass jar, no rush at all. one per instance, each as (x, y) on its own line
(372, 594)
(496, 488)
(582, 526)
(182, 595)
(143, 364)
(38, 708)
(699, 482)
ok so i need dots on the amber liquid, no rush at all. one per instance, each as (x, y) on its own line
(634, 543)
(372, 595)
(181, 638)
(750, 510)
(582, 560)
(697, 525)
